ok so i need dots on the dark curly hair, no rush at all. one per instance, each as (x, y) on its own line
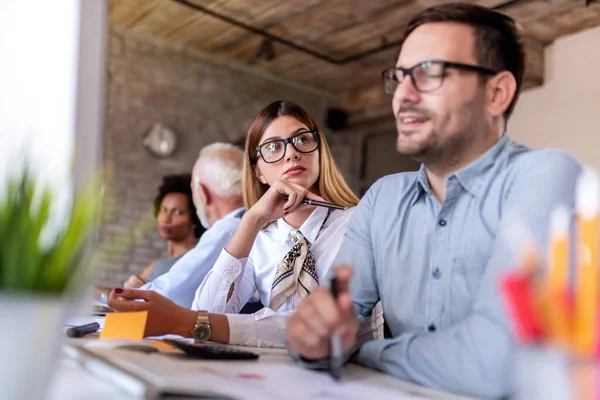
(179, 184)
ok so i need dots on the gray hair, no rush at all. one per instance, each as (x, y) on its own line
(219, 166)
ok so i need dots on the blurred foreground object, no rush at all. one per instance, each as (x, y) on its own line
(555, 305)
(41, 269)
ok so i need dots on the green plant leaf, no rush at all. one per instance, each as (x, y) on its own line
(24, 264)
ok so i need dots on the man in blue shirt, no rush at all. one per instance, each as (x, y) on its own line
(433, 245)
(217, 194)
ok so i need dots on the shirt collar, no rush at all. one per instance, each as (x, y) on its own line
(472, 178)
(310, 228)
(421, 185)
(234, 213)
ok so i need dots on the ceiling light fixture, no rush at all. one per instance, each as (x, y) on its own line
(266, 52)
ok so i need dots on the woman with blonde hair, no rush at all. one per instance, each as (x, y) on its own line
(283, 248)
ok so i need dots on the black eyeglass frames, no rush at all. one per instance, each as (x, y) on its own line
(274, 150)
(426, 76)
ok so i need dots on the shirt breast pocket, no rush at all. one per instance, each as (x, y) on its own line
(466, 277)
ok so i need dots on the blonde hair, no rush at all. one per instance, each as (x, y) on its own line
(332, 185)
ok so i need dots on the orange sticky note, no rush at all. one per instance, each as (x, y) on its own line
(160, 345)
(125, 325)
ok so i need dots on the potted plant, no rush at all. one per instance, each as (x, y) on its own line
(44, 263)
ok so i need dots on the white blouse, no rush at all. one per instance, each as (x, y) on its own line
(267, 328)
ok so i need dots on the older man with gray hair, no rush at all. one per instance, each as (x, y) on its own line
(217, 194)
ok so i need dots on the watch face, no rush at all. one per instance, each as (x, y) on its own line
(201, 333)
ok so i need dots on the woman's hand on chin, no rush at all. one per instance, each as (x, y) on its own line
(282, 198)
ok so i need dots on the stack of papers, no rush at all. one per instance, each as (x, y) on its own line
(171, 373)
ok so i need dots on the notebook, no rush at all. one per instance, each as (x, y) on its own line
(160, 374)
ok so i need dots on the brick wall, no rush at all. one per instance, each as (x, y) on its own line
(204, 100)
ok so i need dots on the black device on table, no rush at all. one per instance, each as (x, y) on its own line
(82, 330)
(212, 352)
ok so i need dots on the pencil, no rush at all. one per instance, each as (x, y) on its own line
(586, 289)
(555, 305)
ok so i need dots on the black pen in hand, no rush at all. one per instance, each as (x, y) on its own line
(336, 356)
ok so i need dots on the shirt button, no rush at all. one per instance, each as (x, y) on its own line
(442, 222)
(431, 328)
(436, 273)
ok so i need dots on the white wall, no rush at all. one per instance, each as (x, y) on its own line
(38, 75)
(565, 112)
(51, 90)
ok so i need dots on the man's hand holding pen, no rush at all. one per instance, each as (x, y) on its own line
(320, 315)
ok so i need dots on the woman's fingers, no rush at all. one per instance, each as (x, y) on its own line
(122, 305)
(292, 193)
(296, 194)
(306, 194)
(292, 196)
(134, 294)
(291, 200)
(312, 196)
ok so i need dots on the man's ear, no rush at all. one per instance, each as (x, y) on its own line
(258, 175)
(502, 90)
(205, 194)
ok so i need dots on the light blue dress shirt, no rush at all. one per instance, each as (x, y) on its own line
(437, 267)
(182, 280)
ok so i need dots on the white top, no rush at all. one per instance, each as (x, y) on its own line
(266, 328)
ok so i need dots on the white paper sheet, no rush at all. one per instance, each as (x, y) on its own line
(175, 373)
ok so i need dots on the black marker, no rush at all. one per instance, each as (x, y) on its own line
(336, 357)
(79, 331)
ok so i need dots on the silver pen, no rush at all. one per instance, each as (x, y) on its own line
(323, 204)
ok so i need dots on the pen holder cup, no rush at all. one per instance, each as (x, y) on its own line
(550, 373)
(29, 344)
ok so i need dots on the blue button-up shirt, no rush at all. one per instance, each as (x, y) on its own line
(182, 280)
(436, 267)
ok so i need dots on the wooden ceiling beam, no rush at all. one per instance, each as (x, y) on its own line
(206, 30)
(337, 29)
(353, 40)
(267, 19)
(126, 13)
(158, 21)
(313, 27)
(534, 64)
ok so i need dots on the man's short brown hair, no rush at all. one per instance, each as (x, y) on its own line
(498, 45)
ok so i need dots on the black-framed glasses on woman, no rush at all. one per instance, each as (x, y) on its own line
(274, 150)
(426, 76)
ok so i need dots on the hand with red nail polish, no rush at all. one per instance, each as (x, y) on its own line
(164, 316)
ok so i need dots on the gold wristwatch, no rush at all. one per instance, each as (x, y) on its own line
(201, 331)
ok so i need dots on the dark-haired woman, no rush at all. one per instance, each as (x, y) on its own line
(177, 223)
